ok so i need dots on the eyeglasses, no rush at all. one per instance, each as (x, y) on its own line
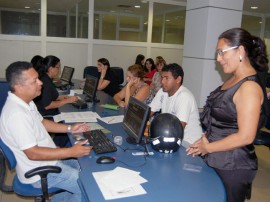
(221, 52)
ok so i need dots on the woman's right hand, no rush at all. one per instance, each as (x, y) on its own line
(71, 99)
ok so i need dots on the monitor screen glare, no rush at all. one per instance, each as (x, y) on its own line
(135, 119)
(67, 73)
(90, 88)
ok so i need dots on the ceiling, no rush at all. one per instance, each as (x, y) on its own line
(63, 5)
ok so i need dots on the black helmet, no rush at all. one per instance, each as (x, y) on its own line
(166, 133)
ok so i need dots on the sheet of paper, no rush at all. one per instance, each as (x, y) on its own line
(112, 119)
(75, 91)
(73, 117)
(121, 179)
(110, 194)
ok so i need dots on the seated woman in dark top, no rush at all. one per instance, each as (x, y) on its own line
(49, 99)
(108, 81)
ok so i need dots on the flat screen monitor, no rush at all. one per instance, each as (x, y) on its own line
(135, 119)
(67, 74)
(90, 88)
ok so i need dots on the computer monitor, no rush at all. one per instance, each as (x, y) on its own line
(67, 74)
(90, 88)
(135, 119)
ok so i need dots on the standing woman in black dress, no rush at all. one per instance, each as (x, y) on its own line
(234, 112)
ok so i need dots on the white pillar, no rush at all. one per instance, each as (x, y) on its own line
(205, 21)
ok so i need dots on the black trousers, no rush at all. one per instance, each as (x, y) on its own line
(237, 183)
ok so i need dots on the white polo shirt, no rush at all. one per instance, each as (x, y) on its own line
(183, 105)
(20, 129)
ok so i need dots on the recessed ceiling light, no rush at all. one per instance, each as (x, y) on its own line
(137, 6)
(254, 7)
(27, 7)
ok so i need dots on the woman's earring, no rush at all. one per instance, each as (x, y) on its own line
(240, 57)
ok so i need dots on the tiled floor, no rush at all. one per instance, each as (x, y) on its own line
(260, 189)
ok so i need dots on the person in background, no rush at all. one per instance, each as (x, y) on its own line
(234, 112)
(156, 80)
(150, 70)
(140, 60)
(108, 81)
(29, 140)
(36, 60)
(176, 99)
(49, 100)
(135, 87)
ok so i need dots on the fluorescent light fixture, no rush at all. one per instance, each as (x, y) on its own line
(254, 7)
(27, 7)
(137, 6)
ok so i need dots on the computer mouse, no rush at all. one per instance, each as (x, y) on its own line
(105, 160)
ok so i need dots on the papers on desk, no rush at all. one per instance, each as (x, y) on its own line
(73, 117)
(112, 119)
(119, 183)
(75, 91)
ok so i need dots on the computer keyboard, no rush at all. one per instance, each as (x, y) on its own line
(101, 144)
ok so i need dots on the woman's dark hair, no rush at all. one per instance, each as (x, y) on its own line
(152, 63)
(175, 69)
(14, 73)
(139, 59)
(47, 62)
(254, 47)
(35, 60)
(104, 61)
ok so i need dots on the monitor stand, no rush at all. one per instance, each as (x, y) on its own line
(131, 140)
(88, 99)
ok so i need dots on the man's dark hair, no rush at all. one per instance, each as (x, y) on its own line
(175, 69)
(14, 73)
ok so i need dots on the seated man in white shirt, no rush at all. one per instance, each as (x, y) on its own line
(24, 131)
(176, 99)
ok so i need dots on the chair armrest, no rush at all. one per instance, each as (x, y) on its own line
(42, 171)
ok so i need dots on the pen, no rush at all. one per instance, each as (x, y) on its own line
(111, 120)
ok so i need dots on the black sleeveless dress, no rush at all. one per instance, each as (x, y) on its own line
(219, 119)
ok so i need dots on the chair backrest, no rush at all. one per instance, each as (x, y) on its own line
(119, 73)
(8, 154)
(4, 88)
(91, 70)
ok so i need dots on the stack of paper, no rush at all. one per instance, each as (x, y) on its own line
(119, 183)
(72, 117)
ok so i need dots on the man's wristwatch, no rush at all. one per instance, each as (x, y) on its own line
(69, 128)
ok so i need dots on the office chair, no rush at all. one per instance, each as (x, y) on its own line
(3, 93)
(91, 70)
(119, 73)
(7, 159)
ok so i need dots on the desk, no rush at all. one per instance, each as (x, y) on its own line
(167, 180)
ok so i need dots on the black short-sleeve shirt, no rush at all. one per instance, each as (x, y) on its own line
(48, 94)
(113, 86)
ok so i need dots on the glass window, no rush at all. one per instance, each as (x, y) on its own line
(67, 18)
(121, 20)
(20, 17)
(252, 24)
(267, 28)
(168, 24)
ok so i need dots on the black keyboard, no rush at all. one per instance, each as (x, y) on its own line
(80, 104)
(101, 144)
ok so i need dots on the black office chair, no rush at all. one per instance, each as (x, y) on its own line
(7, 159)
(119, 73)
(91, 70)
